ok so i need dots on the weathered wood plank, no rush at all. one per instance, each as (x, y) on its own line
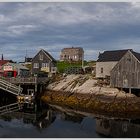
(126, 73)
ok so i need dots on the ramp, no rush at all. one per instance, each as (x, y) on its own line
(9, 87)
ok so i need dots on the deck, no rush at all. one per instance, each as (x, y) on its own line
(27, 80)
(21, 85)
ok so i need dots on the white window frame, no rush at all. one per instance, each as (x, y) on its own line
(41, 57)
(45, 65)
(36, 65)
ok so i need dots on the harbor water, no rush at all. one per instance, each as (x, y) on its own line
(39, 120)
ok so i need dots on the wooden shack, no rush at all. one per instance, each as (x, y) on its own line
(126, 73)
(106, 62)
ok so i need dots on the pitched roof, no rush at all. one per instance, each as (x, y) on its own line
(137, 55)
(16, 65)
(46, 53)
(2, 62)
(115, 55)
(28, 59)
(49, 55)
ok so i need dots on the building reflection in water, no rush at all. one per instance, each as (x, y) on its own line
(42, 116)
(75, 118)
(118, 128)
(37, 113)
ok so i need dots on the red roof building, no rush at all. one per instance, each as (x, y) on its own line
(2, 62)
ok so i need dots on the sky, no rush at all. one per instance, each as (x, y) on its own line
(27, 27)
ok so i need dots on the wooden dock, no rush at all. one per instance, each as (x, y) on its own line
(23, 85)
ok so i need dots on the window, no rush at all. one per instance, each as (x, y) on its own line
(101, 70)
(41, 56)
(45, 65)
(36, 65)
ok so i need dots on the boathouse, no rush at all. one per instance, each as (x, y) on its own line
(126, 73)
(43, 61)
(106, 62)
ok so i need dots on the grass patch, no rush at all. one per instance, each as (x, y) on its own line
(62, 65)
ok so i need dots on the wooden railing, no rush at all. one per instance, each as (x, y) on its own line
(10, 108)
(28, 80)
(10, 87)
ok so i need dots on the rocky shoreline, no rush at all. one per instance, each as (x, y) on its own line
(82, 93)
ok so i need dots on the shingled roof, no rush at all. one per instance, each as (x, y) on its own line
(137, 55)
(115, 55)
(48, 55)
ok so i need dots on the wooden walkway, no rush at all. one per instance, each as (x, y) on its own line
(9, 87)
(13, 85)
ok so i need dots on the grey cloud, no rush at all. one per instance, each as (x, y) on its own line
(94, 26)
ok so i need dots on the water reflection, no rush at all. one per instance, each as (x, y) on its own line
(39, 120)
(118, 128)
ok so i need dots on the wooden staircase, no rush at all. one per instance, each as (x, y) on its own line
(9, 87)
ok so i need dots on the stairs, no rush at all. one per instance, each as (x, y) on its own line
(9, 87)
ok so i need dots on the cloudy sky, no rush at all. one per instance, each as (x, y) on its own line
(52, 26)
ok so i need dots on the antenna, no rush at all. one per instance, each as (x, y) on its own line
(26, 53)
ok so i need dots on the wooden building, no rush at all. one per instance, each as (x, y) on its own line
(43, 61)
(106, 62)
(2, 62)
(14, 70)
(28, 60)
(72, 54)
(126, 73)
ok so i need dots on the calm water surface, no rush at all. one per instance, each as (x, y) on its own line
(38, 120)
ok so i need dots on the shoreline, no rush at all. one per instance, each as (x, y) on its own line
(92, 99)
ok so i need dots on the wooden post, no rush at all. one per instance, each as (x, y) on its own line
(35, 88)
(40, 88)
(130, 90)
(19, 89)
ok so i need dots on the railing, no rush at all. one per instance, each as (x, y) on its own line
(29, 80)
(8, 86)
(21, 80)
(10, 108)
(42, 79)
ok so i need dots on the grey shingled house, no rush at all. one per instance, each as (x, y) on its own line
(43, 61)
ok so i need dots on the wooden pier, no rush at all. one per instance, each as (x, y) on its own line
(24, 85)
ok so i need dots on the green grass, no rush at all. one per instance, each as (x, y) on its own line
(62, 65)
